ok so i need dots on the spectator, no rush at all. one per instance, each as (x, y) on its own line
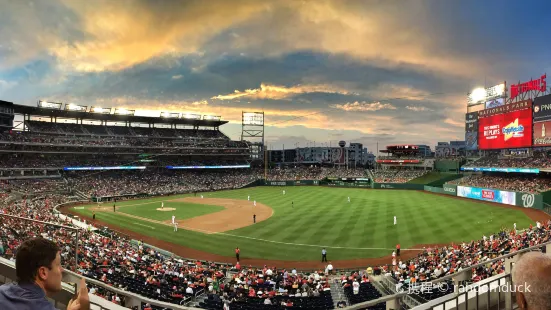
(38, 270)
(532, 280)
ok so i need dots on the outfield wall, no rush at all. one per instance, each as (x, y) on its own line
(398, 186)
(519, 199)
(292, 183)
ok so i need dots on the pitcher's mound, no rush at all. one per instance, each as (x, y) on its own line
(166, 209)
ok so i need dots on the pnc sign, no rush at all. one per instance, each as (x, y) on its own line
(537, 85)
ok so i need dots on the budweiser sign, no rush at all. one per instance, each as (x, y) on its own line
(538, 85)
(511, 107)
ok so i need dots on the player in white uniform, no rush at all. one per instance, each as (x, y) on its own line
(515, 226)
(249, 198)
(283, 192)
(254, 203)
(162, 204)
(348, 199)
(394, 220)
(201, 196)
(174, 223)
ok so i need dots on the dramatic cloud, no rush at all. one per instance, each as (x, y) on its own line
(281, 92)
(363, 106)
(312, 66)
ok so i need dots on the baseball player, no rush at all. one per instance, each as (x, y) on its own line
(201, 196)
(254, 203)
(249, 198)
(173, 219)
(515, 226)
(394, 220)
(162, 206)
(175, 226)
(348, 199)
(283, 192)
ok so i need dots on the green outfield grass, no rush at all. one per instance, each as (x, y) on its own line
(322, 217)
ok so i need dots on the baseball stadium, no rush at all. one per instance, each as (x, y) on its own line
(333, 217)
(181, 155)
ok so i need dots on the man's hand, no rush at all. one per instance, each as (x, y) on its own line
(81, 301)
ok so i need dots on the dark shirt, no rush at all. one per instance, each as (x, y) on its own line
(23, 297)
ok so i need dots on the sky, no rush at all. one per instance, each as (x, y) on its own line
(373, 71)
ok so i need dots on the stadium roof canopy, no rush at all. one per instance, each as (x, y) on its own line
(54, 113)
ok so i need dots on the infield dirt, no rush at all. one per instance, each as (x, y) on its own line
(236, 214)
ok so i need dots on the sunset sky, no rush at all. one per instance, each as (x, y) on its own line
(360, 71)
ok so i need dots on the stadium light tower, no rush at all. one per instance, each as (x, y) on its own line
(252, 131)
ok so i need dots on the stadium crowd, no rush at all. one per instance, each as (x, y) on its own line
(396, 176)
(159, 182)
(111, 258)
(537, 160)
(313, 173)
(519, 183)
(438, 262)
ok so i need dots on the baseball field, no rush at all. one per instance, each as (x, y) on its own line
(295, 226)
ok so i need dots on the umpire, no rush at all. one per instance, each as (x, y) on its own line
(323, 255)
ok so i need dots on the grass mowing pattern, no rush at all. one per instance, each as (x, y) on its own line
(322, 216)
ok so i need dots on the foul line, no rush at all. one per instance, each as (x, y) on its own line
(144, 225)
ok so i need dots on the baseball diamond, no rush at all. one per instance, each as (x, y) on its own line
(319, 217)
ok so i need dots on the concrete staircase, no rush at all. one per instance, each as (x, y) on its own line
(337, 292)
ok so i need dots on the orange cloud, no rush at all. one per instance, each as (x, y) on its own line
(363, 106)
(121, 34)
(267, 91)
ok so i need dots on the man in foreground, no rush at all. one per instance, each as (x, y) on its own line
(532, 281)
(38, 270)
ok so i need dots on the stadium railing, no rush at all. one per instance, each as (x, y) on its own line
(492, 293)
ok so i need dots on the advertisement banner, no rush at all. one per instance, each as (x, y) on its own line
(450, 189)
(503, 131)
(292, 183)
(398, 186)
(514, 170)
(471, 122)
(471, 141)
(511, 107)
(494, 103)
(493, 195)
(542, 137)
(542, 108)
(398, 161)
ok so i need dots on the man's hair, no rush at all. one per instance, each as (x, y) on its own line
(33, 254)
(533, 271)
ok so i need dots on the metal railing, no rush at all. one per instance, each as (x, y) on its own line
(76, 230)
(453, 277)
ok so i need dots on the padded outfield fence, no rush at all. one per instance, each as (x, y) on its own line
(519, 199)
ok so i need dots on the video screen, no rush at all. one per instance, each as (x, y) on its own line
(503, 131)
